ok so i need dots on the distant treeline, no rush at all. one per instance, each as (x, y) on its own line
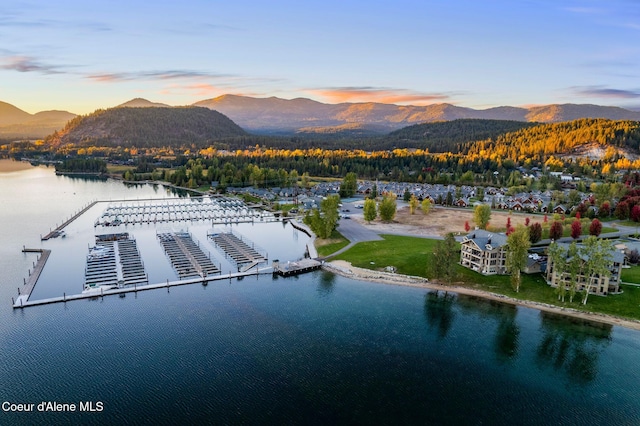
(82, 165)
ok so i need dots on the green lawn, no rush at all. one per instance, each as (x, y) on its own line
(332, 244)
(412, 255)
(631, 275)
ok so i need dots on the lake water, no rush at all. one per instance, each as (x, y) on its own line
(313, 349)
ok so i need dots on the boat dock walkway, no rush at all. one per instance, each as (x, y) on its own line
(23, 303)
(25, 293)
(56, 232)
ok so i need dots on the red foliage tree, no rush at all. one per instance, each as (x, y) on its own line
(508, 223)
(535, 232)
(622, 210)
(527, 221)
(605, 209)
(556, 230)
(595, 228)
(467, 227)
(635, 213)
(578, 215)
(576, 229)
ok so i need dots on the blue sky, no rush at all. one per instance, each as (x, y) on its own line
(80, 56)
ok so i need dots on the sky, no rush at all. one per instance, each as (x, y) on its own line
(79, 56)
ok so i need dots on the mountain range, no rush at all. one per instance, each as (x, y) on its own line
(305, 116)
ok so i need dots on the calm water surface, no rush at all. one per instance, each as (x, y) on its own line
(316, 349)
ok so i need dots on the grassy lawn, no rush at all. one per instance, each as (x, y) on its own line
(412, 255)
(331, 245)
(631, 275)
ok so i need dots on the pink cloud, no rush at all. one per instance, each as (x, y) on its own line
(381, 95)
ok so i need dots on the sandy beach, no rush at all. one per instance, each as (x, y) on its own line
(347, 270)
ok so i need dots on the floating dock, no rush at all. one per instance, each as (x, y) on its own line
(114, 262)
(186, 256)
(237, 249)
(217, 210)
(296, 267)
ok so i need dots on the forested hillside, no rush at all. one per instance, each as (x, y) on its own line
(450, 136)
(538, 142)
(147, 127)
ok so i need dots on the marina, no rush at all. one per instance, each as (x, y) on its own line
(113, 262)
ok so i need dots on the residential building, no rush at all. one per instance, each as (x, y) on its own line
(601, 285)
(484, 252)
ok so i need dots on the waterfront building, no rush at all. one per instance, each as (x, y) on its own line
(484, 252)
(601, 285)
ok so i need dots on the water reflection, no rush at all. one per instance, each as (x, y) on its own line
(438, 310)
(326, 283)
(572, 346)
(507, 333)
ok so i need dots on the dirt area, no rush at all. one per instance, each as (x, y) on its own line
(440, 221)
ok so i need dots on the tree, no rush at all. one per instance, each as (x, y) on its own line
(558, 256)
(467, 227)
(517, 247)
(349, 185)
(576, 229)
(574, 265)
(635, 213)
(597, 255)
(445, 258)
(369, 210)
(556, 230)
(413, 204)
(406, 196)
(535, 232)
(323, 221)
(482, 215)
(622, 210)
(374, 192)
(595, 228)
(387, 208)
(426, 206)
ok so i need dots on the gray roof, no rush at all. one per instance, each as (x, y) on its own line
(482, 238)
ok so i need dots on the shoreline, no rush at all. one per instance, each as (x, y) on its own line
(345, 269)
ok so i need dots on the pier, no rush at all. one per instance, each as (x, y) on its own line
(58, 231)
(101, 292)
(25, 293)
